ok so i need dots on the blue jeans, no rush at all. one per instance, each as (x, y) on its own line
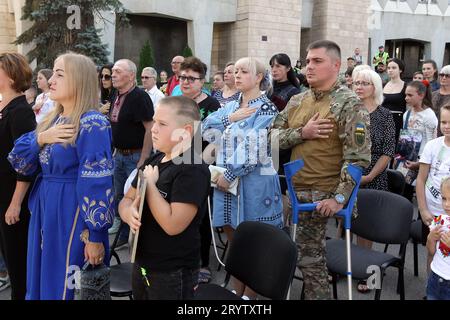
(171, 285)
(124, 165)
(438, 288)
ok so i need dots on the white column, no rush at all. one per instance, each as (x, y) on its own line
(438, 49)
(200, 38)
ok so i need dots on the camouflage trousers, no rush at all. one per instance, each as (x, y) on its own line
(310, 241)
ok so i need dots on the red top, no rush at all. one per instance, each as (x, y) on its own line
(172, 82)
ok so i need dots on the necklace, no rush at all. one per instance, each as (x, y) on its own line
(197, 96)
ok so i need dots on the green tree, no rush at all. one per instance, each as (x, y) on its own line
(187, 52)
(54, 29)
(145, 59)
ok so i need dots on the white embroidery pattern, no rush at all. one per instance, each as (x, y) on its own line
(97, 169)
(89, 122)
(99, 214)
(44, 154)
(19, 163)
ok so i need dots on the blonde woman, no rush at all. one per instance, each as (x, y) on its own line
(240, 129)
(71, 201)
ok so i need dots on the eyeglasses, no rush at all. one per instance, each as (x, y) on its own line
(189, 79)
(146, 77)
(105, 76)
(175, 62)
(444, 75)
(362, 83)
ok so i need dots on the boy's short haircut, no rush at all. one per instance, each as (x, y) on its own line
(445, 107)
(445, 183)
(185, 107)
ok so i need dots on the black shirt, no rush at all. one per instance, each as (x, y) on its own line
(178, 182)
(208, 106)
(128, 132)
(282, 93)
(16, 119)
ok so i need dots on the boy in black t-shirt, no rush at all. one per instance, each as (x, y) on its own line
(178, 182)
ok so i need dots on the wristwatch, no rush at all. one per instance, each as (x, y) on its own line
(340, 198)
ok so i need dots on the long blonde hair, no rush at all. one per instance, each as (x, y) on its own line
(81, 75)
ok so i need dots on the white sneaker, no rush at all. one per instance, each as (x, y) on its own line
(4, 283)
(115, 227)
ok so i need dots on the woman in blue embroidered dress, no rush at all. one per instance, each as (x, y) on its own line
(240, 131)
(71, 201)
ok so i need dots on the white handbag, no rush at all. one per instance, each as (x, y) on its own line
(216, 172)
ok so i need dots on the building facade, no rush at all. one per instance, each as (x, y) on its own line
(219, 31)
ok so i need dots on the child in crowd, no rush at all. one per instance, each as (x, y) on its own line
(178, 184)
(438, 245)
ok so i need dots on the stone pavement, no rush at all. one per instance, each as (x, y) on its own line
(414, 286)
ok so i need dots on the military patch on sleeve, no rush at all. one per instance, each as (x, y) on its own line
(360, 134)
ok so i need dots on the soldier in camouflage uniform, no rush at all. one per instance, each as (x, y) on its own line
(328, 127)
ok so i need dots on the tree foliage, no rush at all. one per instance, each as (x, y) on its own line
(51, 36)
(187, 52)
(146, 59)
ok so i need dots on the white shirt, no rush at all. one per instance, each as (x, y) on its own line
(425, 122)
(47, 107)
(437, 154)
(156, 95)
(441, 259)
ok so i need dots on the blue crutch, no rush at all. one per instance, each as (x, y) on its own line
(290, 169)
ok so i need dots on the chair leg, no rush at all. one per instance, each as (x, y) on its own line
(416, 267)
(385, 248)
(222, 257)
(378, 291)
(401, 280)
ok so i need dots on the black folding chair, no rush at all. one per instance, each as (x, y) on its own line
(261, 256)
(120, 272)
(383, 217)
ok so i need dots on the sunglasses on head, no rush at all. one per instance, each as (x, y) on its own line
(105, 76)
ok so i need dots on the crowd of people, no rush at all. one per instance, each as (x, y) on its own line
(67, 153)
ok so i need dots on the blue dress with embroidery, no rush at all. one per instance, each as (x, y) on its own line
(245, 153)
(73, 192)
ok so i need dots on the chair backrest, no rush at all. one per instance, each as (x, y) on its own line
(263, 257)
(291, 168)
(396, 181)
(383, 217)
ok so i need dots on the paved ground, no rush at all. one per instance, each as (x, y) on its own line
(414, 286)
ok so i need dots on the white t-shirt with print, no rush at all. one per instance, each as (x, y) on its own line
(441, 259)
(425, 122)
(437, 154)
(47, 106)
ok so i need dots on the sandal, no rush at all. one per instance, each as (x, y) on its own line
(204, 275)
(362, 286)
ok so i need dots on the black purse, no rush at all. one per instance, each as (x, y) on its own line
(93, 283)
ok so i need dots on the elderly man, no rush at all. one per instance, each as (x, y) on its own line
(148, 77)
(327, 126)
(173, 81)
(131, 123)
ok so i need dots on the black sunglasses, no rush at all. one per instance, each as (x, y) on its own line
(444, 75)
(105, 76)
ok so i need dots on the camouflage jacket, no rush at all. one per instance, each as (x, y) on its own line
(353, 122)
